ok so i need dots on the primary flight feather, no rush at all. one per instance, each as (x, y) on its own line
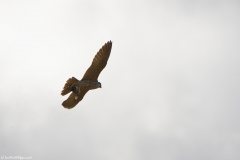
(89, 80)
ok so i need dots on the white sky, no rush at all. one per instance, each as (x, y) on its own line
(170, 90)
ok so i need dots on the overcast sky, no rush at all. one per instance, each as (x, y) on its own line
(170, 90)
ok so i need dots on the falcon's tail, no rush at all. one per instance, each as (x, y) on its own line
(66, 88)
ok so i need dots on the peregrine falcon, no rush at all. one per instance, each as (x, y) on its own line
(89, 80)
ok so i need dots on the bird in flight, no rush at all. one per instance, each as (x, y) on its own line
(89, 80)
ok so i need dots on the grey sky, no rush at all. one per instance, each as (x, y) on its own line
(170, 89)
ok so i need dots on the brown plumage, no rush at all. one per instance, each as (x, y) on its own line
(89, 80)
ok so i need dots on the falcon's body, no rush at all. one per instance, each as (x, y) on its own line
(87, 84)
(89, 80)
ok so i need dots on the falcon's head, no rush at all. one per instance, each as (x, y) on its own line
(96, 85)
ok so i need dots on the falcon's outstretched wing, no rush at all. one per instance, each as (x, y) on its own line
(72, 100)
(99, 62)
